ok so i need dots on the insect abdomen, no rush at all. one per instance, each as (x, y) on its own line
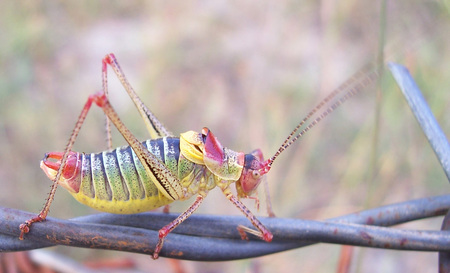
(115, 181)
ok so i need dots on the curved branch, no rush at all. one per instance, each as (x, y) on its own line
(214, 238)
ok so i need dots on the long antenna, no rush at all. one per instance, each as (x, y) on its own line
(351, 87)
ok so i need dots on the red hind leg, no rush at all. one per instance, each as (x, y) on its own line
(99, 99)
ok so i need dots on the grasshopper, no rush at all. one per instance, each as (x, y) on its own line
(151, 174)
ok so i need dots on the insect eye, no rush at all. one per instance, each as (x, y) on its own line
(256, 174)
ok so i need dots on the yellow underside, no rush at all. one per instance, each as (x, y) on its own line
(123, 207)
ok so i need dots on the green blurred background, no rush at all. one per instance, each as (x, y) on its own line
(250, 72)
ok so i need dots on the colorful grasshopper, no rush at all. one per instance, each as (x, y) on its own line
(148, 175)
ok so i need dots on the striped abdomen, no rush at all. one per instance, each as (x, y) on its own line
(115, 181)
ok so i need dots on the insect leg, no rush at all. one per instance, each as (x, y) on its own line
(166, 209)
(105, 90)
(154, 126)
(163, 232)
(262, 231)
(25, 227)
(168, 182)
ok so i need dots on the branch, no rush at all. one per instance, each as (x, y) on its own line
(215, 238)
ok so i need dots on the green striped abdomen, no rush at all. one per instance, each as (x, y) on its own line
(116, 182)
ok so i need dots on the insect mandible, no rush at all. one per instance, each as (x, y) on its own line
(151, 174)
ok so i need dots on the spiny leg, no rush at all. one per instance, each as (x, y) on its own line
(105, 91)
(163, 232)
(169, 183)
(154, 126)
(262, 231)
(25, 227)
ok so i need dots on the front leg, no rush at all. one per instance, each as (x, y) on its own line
(262, 231)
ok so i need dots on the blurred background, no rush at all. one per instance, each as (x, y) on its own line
(250, 72)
